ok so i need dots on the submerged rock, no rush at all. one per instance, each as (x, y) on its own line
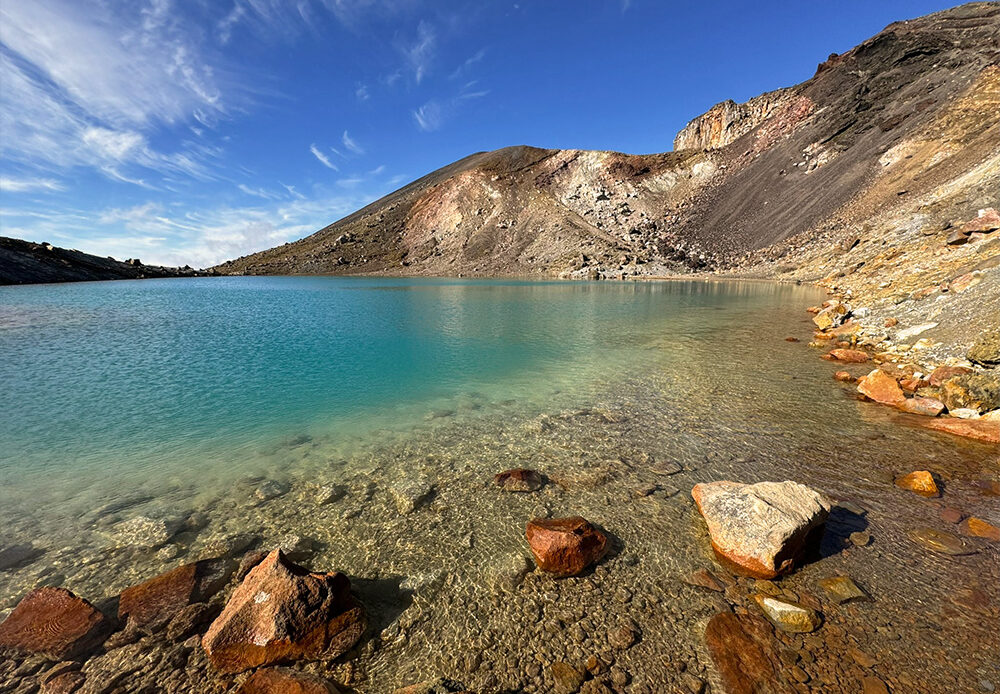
(941, 542)
(920, 482)
(928, 407)
(519, 480)
(842, 589)
(409, 493)
(148, 606)
(737, 647)
(283, 612)
(759, 530)
(977, 527)
(565, 546)
(850, 356)
(279, 680)
(144, 532)
(977, 429)
(438, 686)
(788, 616)
(18, 555)
(271, 489)
(55, 623)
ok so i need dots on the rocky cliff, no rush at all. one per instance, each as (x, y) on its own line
(23, 262)
(902, 127)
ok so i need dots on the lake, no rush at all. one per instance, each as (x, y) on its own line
(359, 422)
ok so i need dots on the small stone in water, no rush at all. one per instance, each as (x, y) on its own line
(976, 527)
(941, 542)
(842, 589)
(860, 538)
(951, 515)
(788, 616)
(329, 493)
(702, 578)
(920, 482)
(519, 480)
(567, 678)
(271, 490)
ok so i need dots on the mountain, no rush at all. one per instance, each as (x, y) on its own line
(23, 262)
(909, 112)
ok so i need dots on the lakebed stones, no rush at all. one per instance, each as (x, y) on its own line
(788, 616)
(842, 589)
(282, 612)
(740, 649)
(920, 482)
(941, 542)
(759, 530)
(565, 546)
(881, 387)
(410, 492)
(519, 480)
(144, 532)
(440, 685)
(977, 527)
(55, 623)
(978, 429)
(148, 606)
(279, 680)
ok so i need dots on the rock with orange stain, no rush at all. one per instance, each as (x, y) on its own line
(760, 530)
(881, 387)
(565, 546)
(977, 527)
(55, 623)
(943, 373)
(851, 356)
(928, 407)
(988, 432)
(920, 482)
(843, 377)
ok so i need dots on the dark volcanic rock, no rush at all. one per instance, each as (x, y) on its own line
(283, 612)
(565, 546)
(54, 622)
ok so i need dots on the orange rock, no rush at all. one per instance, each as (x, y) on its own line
(843, 376)
(976, 527)
(823, 336)
(791, 339)
(943, 373)
(987, 221)
(742, 652)
(881, 387)
(929, 407)
(279, 680)
(912, 385)
(565, 546)
(919, 481)
(890, 322)
(519, 480)
(283, 612)
(813, 310)
(851, 356)
(970, 428)
(54, 622)
(151, 604)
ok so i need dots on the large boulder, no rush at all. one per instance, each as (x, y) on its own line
(986, 349)
(831, 316)
(565, 546)
(761, 529)
(980, 392)
(55, 623)
(282, 612)
(881, 387)
(149, 605)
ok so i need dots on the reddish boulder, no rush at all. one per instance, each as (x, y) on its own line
(919, 481)
(519, 480)
(283, 612)
(929, 407)
(148, 606)
(565, 546)
(851, 356)
(279, 680)
(988, 220)
(943, 373)
(56, 623)
(970, 428)
(913, 384)
(881, 387)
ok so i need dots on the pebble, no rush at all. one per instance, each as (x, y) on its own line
(271, 490)
(788, 616)
(860, 538)
(842, 589)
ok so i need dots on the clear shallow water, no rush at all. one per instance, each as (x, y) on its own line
(179, 398)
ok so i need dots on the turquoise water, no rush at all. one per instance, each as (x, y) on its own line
(144, 377)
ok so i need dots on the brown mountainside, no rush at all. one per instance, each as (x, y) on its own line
(876, 129)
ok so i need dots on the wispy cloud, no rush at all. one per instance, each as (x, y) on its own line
(362, 93)
(467, 65)
(429, 117)
(259, 192)
(323, 159)
(420, 52)
(351, 144)
(22, 185)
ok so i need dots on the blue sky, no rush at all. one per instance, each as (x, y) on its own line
(193, 131)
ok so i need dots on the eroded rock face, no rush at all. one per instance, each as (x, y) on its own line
(54, 622)
(565, 546)
(283, 612)
(881, 387)
(728, 121)
(279, 680)
(148, 606)
(760, 530)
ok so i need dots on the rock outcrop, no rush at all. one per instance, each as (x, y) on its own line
(728, 121)
(760, 530)
(283, 612)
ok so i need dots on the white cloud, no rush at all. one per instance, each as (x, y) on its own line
(420, 52)
(362, 93)
(22, 185)
(259, 192)
(430, 116)
(351, 144)
(323, 159)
